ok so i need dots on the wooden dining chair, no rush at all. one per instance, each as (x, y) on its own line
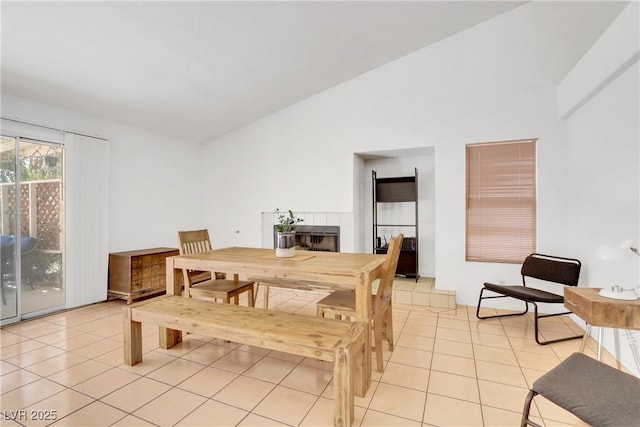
(343, 303)
(204, 284)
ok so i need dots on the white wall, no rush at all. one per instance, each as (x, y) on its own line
(603, 159)
(153, 180)
(476, 86)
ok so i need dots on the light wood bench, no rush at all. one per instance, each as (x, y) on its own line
(324, 339)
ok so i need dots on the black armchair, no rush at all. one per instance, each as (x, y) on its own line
(564, 271)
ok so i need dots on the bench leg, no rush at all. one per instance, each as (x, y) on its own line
(169, 337)
(343, 388)
(132, 339)
(266, 296)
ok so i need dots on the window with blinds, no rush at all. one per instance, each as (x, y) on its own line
(501, 201)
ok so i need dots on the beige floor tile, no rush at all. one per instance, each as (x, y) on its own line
(78, 341)
(102, 327)
(98, 348)
(28, 394)
(320, 364)
(95, 414)
(453, 335)
(361, 401)
(237, 361)
(321, 414)
(6, 367)
(136, 394)
(212, 413)
(552, 412)
(253, 420)
(206, 353)
(307, 379)
(8, 339)
(375, 418)
(253, 349)
(176, 371)
(79, 373)
(270, 369)
(495, 354)
(277, 405)
(487, 327)
(418, 328)
(185, 346)
(490, 340)
(170, 407)
(57, 363)
(131, 421)
(415, 342)
(112, 358)
(500, 373)
(20, 327)
(34, 356)
(453, 365)
(537, 361)
(456, 386)
(500, 417)
(503, 396)
(405, 376)
(208, 381)
(286, 356)
(398, 401)
(244, 392)
(462, 325)
(56, 406)
(446, 411)
(16, 379)
(19, 348)
(453, 348)
(422, 317)
(43, 330)
(150, 362)
(106, 382)
(411, 357)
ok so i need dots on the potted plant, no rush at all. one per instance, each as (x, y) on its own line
(285, 243)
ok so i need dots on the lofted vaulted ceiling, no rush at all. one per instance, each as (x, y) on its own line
(197, 70)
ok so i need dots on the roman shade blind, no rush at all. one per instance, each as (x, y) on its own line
(501, 201)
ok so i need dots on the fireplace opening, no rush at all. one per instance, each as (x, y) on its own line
(324, 238)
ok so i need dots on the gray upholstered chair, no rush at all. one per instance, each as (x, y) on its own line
(598, 394)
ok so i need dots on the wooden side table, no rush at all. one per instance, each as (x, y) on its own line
(604, 312)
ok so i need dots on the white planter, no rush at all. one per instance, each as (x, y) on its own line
(285, 244)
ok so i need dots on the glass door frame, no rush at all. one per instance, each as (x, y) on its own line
(20, 314)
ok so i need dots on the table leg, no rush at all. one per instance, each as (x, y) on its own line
(633, 345)
(600, 343)
(585, 338)
(616, 345)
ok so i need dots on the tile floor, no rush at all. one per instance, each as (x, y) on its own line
(448, 369)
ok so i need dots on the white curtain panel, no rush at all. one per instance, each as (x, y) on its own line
(87, 222)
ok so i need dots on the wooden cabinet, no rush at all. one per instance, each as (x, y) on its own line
(138, 273)
(397, 195)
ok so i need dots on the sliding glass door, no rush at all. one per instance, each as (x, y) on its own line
(31, 200)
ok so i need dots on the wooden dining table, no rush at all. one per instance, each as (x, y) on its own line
(333, 270)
